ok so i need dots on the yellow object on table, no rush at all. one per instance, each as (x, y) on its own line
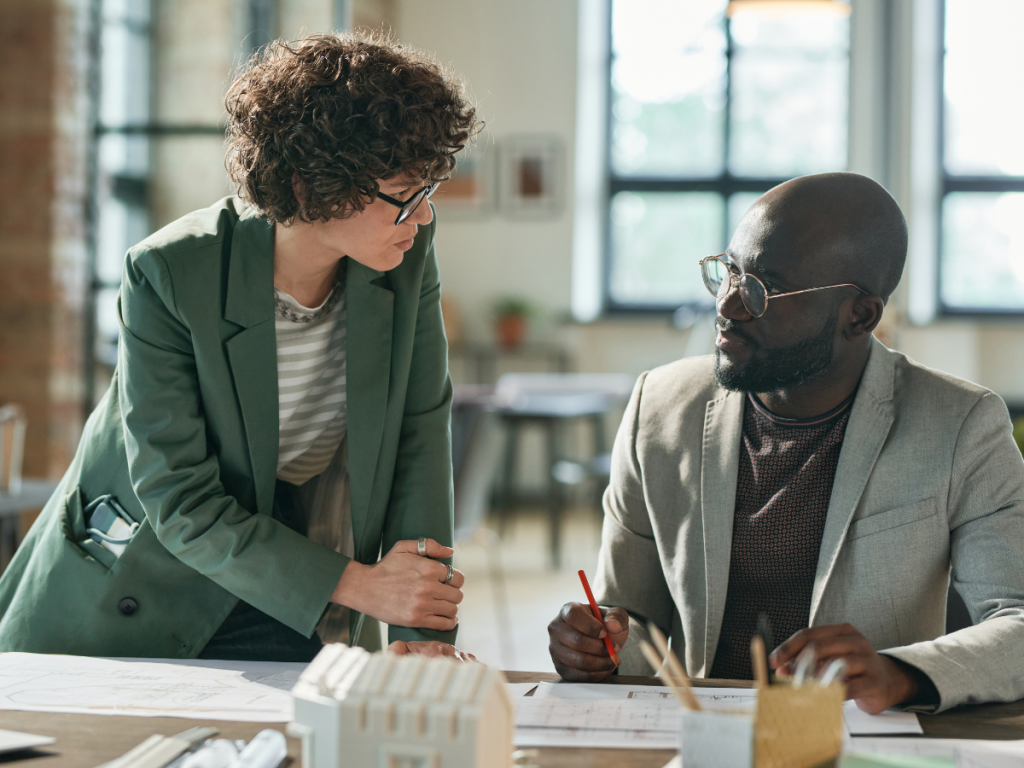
(791, 728)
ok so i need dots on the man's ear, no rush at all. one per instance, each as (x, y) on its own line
(863, 317)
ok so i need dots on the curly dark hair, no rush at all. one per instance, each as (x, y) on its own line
(338, 113)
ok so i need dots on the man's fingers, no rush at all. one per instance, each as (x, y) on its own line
(790, 649)
(839, 648)
(868, 694)
(585, 662)
(579, 617)
(616, 619)
(571, 638)
(856, 664)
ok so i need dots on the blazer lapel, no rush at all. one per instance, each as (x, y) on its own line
(252, 353)
(866, 432)
(723, 428)
(368, 362)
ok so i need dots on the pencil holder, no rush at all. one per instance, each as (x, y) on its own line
(789, 728)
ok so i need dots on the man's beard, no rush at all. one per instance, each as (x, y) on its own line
(774, 370)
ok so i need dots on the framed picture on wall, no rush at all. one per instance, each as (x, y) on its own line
(469, 192)
(531, 177)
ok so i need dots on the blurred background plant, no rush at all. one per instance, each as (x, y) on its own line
(511, 320)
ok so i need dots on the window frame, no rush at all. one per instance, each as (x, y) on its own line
(259, 14)
(725, 184)
(949, 183)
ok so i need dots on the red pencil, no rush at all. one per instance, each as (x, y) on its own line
(597, 615)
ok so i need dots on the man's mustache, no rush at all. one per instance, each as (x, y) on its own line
(730, 326)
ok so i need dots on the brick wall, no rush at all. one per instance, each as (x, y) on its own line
(43, 128)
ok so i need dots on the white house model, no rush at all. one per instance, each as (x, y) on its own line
(353, 708)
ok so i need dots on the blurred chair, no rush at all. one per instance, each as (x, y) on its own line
(17, 494)
(476, 454)
(12, 448)
(552, 401)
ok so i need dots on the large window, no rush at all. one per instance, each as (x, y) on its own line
(707, 113)
(120, 160)
(157, 135)
(982, 254)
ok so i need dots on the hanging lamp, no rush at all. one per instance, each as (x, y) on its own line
(786, 7)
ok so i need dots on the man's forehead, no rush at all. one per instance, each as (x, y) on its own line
(758, 246)
(766, 262)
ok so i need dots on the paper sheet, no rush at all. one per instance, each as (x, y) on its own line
(12, 741)
(967, 753)
(258, 692)
(711, 698)
(612, 716)
(647, 716)
(859, 723)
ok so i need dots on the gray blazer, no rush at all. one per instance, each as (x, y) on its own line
(929, 480)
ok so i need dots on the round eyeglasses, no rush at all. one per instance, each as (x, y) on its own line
(719, 280)
(408, 207)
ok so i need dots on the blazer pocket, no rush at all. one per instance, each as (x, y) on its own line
(72, 526)
(892, 518)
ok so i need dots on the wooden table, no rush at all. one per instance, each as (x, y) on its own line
(86, 741)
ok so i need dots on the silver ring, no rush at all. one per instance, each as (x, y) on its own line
(451, 572)
(421, 547)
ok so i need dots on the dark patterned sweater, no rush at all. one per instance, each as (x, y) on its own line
(786, 471)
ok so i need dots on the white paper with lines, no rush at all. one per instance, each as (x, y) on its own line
(612, 716)
(964, 753)
(252, 691)
(647, 716)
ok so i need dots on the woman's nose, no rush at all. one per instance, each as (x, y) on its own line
(423, 214)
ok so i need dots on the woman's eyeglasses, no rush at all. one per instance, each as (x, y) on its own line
(408, 207)
(719, 280)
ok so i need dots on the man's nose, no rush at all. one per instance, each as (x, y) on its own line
(731, 306)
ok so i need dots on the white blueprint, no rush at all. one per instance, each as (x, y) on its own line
(647, 716)
(258, 692)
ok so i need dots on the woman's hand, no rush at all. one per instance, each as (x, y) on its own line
(429, 648)
(404, 589)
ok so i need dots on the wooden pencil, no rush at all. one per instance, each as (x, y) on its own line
(757, 655)
(655, 661)
(672, 663)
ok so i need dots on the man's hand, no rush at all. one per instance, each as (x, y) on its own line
(577, 642)
(874, 681)
(428, 648)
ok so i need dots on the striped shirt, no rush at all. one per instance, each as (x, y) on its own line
(312, 407)
(311, 384)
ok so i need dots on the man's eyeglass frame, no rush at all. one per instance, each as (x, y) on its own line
(749, 285)
(408, 207)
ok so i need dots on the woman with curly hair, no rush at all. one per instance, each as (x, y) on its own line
(279, 413)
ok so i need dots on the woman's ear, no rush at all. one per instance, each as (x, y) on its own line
(298, 189)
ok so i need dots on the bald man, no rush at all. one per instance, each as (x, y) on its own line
(808, 472)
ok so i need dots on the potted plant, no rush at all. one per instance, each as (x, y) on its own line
(510, 321)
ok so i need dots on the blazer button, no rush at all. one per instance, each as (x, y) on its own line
(128, 606)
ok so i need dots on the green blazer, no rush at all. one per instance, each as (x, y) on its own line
(187, 437)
